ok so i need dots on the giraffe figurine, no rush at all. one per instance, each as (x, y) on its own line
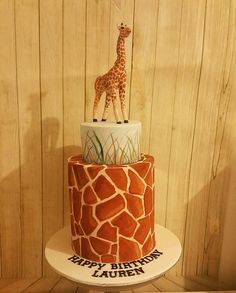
(114, 79)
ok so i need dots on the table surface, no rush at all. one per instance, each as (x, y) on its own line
(113, 277)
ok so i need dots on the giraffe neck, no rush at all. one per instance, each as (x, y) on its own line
(120, 50)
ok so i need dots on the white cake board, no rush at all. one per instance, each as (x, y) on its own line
(58, 251)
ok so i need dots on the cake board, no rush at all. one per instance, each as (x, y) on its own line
(113, 277)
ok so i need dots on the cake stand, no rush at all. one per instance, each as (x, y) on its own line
(117, 276)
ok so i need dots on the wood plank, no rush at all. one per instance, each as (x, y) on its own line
(143, 66)
(168, 33)
(97, 50)
(213, 283)
(74, 31)
(43, 285)
(18, 286)
(64, 285)
(121, 11)
(205, 281)
(227, 267)
(233, 291)
(146, 288)
(220, 186)
(188, 284)
(4, 282)
(27, 46)
(10, 208)
(183, 119)
(166, 285)
(52, 118)
(83, 290)
(208, 105)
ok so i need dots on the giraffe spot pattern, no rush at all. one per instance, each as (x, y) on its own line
(89, 196)
(125, 223)
(103, 187)
(108, 232)
(134, 205)
(112, 209)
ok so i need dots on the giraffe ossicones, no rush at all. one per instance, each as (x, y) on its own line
(114, 80)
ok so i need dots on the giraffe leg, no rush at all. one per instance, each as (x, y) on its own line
(95, 105)
(122, 102)
(114, 101)
(107, 106)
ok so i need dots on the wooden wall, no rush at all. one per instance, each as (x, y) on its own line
(181, 86)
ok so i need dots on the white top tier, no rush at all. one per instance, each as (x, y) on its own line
(111, 143)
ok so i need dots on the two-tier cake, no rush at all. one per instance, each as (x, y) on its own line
(111, 187)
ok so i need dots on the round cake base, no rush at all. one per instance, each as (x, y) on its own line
(117, 276)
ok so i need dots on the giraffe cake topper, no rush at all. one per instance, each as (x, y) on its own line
(112, 81)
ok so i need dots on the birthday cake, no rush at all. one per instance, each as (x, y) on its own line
(111, 184)
(111, 188)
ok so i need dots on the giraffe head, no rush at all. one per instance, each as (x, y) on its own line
(124, 30)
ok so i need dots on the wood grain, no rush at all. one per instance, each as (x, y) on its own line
(205, 134)
(73, 84)
(43, 285)
(27, 47)
(19, 285)
(166, 285)
(164, 84)
(97, 50)
(222, 158)
(50, 284)
(52, 117)
(183, 118)
(64, 285)
(4, 282)
(121, 11)
(143, 66)
(10, 198)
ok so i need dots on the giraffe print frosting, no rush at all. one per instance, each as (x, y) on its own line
(113, 80)
(112, 209)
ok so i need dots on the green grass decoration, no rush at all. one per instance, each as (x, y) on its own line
(93, 149)
(101, 153)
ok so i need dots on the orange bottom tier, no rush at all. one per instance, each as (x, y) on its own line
(112, 209)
